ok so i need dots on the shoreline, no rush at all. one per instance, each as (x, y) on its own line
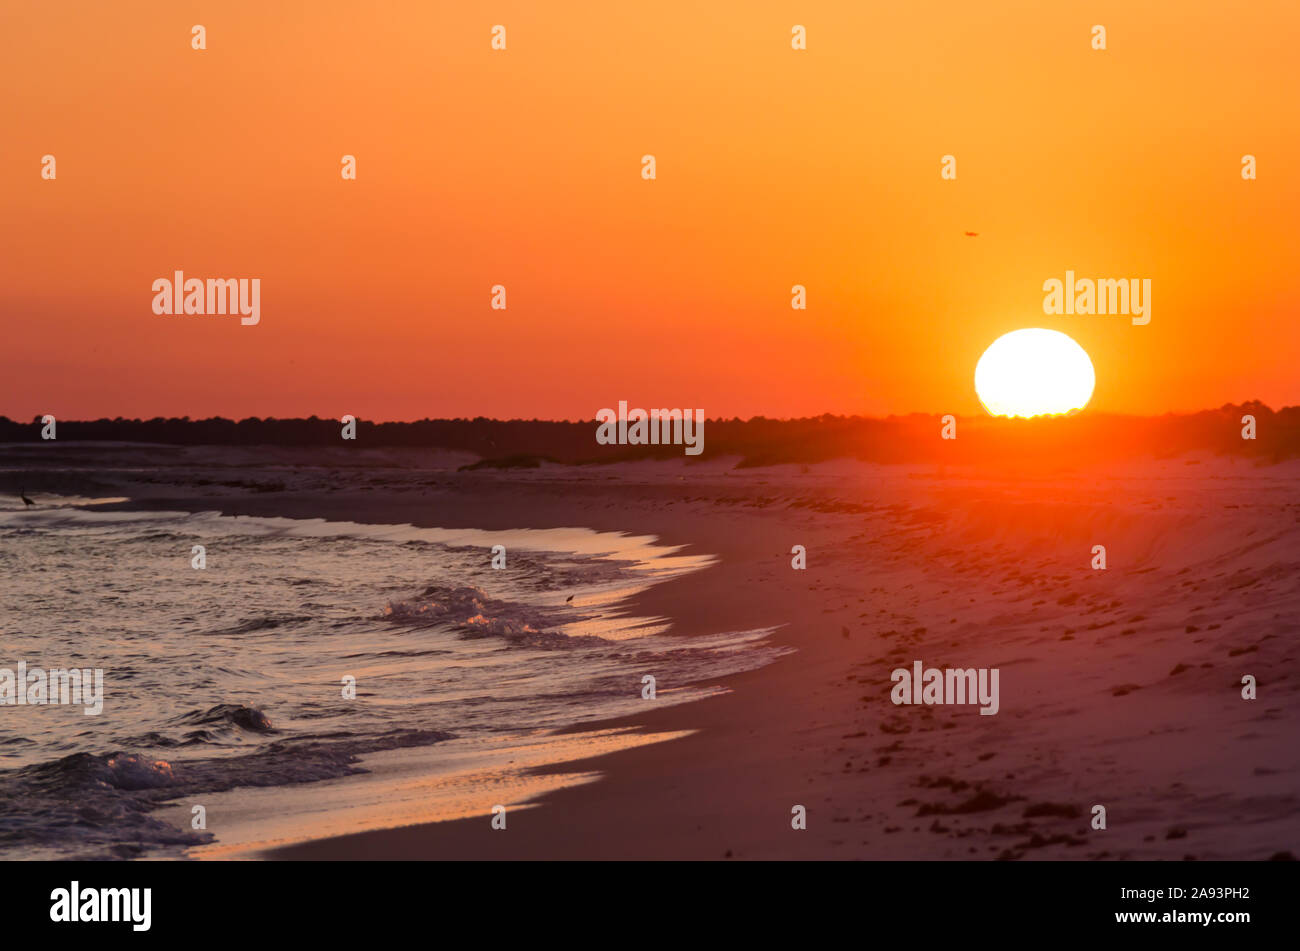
(690, 602)
(1106, 698)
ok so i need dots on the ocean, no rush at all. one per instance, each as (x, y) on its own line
(235, 676)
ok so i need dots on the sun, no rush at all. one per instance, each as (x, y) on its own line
(1034, 372)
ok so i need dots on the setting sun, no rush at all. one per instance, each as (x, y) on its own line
(1034, 372)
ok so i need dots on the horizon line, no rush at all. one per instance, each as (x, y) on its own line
(1257, 405)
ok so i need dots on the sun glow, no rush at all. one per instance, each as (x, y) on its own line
(1034, 372)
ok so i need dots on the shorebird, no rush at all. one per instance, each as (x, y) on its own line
(26, 500)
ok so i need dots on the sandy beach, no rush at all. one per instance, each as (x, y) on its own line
(1119, 687)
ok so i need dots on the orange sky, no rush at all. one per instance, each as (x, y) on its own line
(522, 167)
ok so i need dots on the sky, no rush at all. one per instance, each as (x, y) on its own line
(523, 167)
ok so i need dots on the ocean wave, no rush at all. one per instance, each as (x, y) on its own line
(229, 714)
(472, 613)
(88, 805)
(267, 623)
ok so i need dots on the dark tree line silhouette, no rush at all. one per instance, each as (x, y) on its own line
(757, 441)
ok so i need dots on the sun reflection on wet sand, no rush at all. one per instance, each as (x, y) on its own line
(456, 779)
